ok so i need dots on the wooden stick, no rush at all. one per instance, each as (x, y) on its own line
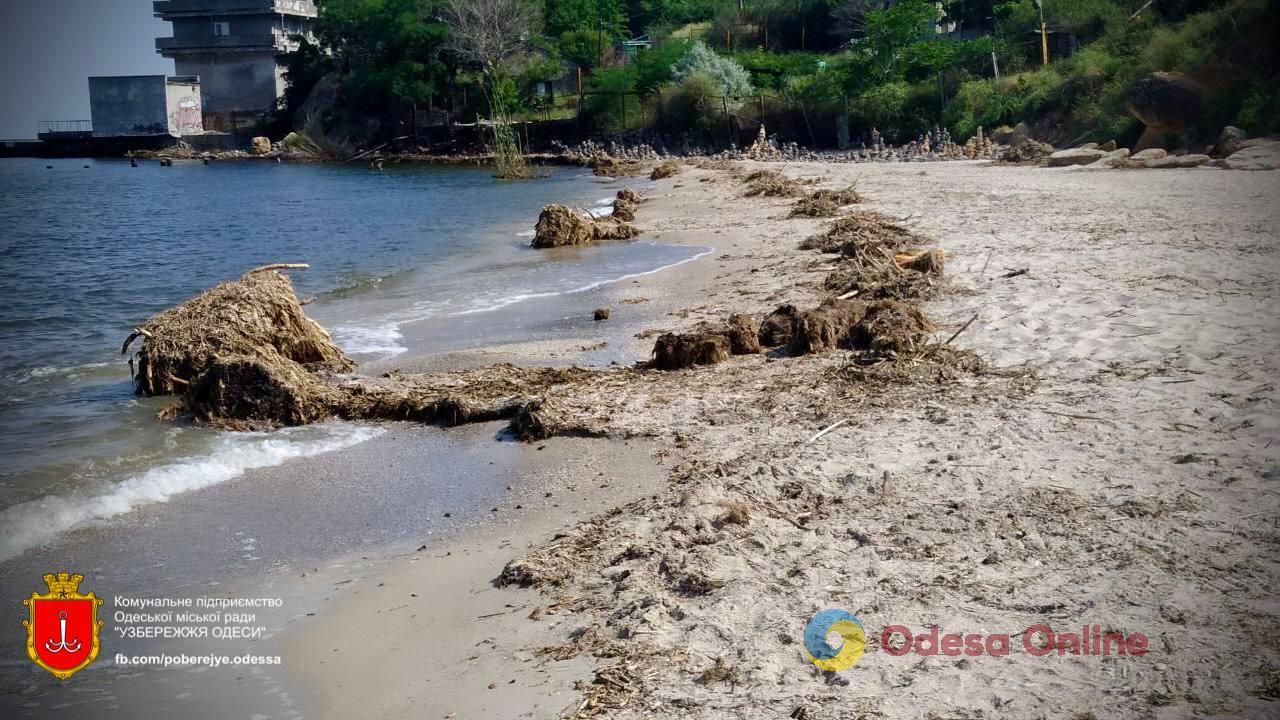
(279, 266)
(1075, 416)
(984, 265)
(826, 430)
(962, 329)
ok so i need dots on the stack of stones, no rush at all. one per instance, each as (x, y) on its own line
(933, 146)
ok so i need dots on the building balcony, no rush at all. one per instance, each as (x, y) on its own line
(280, 42)
(169, 9)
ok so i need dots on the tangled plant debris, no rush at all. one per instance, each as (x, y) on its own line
(257, 316)
(669, 559)
(560, 225)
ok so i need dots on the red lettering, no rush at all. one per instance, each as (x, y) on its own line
(973, 645)
(998, 645)
(951, 644)
(1063, 639)
(931, 639)
(1137, 644)
(1112, 638)
(1031, 647)
(886, 640)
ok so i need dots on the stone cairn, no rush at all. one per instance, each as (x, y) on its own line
(933, 146)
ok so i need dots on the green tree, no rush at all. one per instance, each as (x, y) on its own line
(562, 16)
(647, 16)
(583, 46)
(891, 30)
(384, 48)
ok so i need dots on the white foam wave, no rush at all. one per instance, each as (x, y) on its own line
(366, 340)
(512, 299)
(70, 371)
(30, 524)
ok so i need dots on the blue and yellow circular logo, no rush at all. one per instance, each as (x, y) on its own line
(821, 653)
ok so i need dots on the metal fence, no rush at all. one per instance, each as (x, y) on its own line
(48, 127)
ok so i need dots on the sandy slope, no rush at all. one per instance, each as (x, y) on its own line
(1133, 486)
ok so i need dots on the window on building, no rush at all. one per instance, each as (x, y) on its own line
(221, 28)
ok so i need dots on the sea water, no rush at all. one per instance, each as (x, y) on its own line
(86, 254)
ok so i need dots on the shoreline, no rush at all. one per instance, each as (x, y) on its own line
(907, 462)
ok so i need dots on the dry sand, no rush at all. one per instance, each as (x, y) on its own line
(1130, 483)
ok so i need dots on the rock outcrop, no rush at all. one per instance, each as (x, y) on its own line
(1229, 141)
(1075, 156)
(1177, 161)
(1256, 154)
(1166, 102)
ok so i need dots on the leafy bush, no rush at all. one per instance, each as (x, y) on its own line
(987, 103)
(822, 91)
(770, 70)
(693, 104)
(1260, 110)
(882, 105)
(728, 76)
(610, 102)
(655, 67)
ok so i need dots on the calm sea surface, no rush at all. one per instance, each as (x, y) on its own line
(87, 253)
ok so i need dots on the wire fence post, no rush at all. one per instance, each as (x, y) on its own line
(728, 129)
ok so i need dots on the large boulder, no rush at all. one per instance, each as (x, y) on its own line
(1075, 156)
(260, 145)
(1229, 141)
(1178, 161)
(1166, 102)
(1149, 154)
(1256, 154)
(1027, 152)
(1113, 159)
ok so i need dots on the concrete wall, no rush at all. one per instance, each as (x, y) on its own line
(239, 82)
(184, 108)
(128, 105)
(196, 28)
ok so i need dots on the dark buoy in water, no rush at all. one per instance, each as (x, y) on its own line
(133, 163)
(48, 167)
(206, 161)
(86, 167)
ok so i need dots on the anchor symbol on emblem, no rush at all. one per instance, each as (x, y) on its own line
(62, 645)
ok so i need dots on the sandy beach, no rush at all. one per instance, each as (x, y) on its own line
(1113, 463)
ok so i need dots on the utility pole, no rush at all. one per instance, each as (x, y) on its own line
(1044, 34)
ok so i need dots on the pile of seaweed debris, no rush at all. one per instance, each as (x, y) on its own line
(560, 225)
(884, 270)
(243, 355)
(879, 257)
(826, 202)
(256, 317)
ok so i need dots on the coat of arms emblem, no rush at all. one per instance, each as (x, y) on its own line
(62, 632)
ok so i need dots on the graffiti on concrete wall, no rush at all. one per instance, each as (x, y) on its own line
(185, 118)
